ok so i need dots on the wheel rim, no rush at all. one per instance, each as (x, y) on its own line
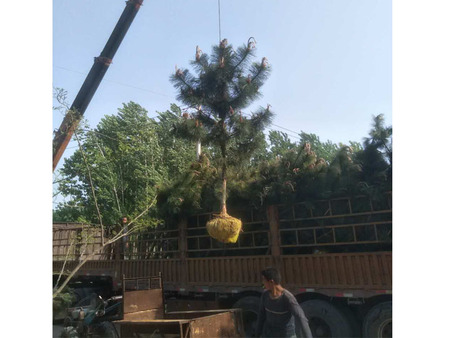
(319, 328)
(385, 330)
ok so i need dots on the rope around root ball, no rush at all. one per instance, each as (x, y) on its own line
(224, 228)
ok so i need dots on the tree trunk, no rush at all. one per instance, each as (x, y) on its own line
(224, 197)
(223, 210)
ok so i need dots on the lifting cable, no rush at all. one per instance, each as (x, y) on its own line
(220, 38)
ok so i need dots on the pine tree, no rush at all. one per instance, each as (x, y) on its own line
(225, 83)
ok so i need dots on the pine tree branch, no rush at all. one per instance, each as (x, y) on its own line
(247, 52)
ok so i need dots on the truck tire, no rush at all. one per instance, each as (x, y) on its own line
(250, 309)
(354, 323)
(378, 321)
(326, 320)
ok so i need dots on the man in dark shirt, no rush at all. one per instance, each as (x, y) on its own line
(279, 310)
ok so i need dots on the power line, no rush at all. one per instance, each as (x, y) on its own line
(162, 94)
(293, 136)
(285, 129)
(119, 83)
(220, 34)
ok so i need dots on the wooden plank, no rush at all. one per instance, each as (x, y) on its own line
(212, 265)
(212, 268)
(357, 263)
(368, 267)
(191, 271)
(311, 272)
(376, 271)
(245, 279)
(332, 270)
(305, 276)
(140, 269)
(297, 271)
(343, 270)
(145, 321)
(162, 268)
(349, 271)
(387, 270)
(222, 270)
(252, 270)
(338, 281)
(326, 270)
(389, 265)
(234, 279)
(239, 261)
(292, 267)
(198, 275)
(318, 270)
(216, 272)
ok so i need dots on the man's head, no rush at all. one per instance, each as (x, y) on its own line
(271, 276)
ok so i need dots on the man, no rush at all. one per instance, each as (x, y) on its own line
(279, 310)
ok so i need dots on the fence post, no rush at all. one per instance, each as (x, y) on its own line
(117, 247)
(274, 232)
(182, 249)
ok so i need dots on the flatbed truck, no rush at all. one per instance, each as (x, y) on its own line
(334, 255)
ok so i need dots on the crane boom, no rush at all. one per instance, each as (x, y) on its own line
(101, 63)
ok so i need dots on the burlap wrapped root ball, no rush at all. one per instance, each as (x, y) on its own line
(224, 228)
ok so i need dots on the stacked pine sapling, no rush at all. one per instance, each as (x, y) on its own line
(225, 83)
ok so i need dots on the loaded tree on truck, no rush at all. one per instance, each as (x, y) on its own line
(334, 256)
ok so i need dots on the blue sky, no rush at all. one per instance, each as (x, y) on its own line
(331, 60)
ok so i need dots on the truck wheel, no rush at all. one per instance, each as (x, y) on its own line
(378, 321)
(354, 323)
(325, 320)
(250, 309)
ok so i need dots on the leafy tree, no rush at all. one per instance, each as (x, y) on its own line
(225, 83)
(177, 153)
(326, 150)
(128, 156)
(279, 144)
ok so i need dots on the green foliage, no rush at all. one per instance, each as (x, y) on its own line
(343, 174)
(380, 137)
(376, 158)
(132, 158)
(177, 153)
(311, 169)
(279, 144)
(192, 192)
(68, 212)
(129, 157)
(290, 175)
(63, 300)
(326, 150)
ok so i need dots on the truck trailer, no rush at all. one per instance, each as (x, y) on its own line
(334, 255)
